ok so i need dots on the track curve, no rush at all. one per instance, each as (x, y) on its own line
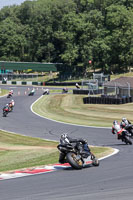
(111, 180)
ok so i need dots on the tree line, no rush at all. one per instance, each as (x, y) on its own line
(81, 34)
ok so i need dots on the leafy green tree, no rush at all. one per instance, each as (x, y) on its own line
(71, 32)
(12, 41)
(119, 23)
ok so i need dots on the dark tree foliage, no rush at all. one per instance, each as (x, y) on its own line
(70, 32)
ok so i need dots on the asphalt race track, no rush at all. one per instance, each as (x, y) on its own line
(112, 180)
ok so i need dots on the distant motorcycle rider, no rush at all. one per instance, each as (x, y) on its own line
(66, 140)
(65, 90)
(12, 102)
(126, 124)
(10, 94)
(46, 91)
(11, 105)
(33, 90)
(6, 108)
(117, 129)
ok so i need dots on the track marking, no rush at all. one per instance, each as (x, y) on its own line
(42, 170)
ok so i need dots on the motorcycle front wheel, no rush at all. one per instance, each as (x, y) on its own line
(4, 114)
(75, 162)
(127, 141)
(95, 162)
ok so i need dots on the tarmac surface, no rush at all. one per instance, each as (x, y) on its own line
(112, 180)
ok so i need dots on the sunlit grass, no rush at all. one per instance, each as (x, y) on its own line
(3, 92)
(17, 152)
(70, 108)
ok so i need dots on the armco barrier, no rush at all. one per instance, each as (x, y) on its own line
(106, 100)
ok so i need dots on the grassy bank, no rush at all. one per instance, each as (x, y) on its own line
(3, 92)
(70, 108)
(17, 152)
(20, 151)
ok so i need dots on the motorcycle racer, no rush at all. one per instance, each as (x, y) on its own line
(65, 90)
(126, 124)
(46, 91)
(6, 108)
(122, 134)
(117, 129)
(32, 92)
(11, 105)
(10, 94)
(81, 145)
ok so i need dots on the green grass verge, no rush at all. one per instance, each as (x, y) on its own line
(3, 92)
(70, 108)
(18, 152)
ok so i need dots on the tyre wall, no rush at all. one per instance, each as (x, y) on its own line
(107, 100)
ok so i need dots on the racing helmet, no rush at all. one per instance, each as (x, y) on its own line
(124, 119)
(64, 136)
(115, 122)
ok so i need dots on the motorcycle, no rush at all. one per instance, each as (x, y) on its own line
(76, 159)
(129, 128)
(9, 95)
(46, 91)
(31, 93)
(64, 90)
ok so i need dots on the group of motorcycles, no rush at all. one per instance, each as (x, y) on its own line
(9, 106)
(32, 92)
(124, 130)
(73, 155)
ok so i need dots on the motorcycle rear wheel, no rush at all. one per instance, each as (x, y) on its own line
(73, 161)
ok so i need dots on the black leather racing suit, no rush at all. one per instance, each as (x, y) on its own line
(83, 149)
